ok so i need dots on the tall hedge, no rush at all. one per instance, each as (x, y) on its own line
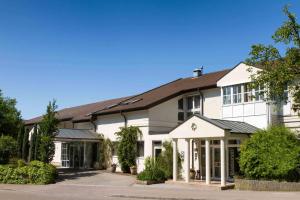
(271, 154)
(127, 147)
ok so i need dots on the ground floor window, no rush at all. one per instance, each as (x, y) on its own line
(157, 148)
(140, 148)
(65, 160)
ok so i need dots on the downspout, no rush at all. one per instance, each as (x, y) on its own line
(125, 118)
(93, 123)
(202, 102)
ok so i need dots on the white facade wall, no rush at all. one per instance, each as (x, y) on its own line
(57, 155)
(212, 103)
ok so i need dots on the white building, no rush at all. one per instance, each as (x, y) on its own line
(214, 111)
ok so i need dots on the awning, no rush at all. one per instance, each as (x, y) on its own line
(77, 135)
(199, 126)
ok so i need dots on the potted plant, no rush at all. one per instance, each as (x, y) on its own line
(192, 174)
(113, 167)
(133, 170)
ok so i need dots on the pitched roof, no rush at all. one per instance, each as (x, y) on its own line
(79, 113)
(77, 134)
(141, 101)
(231, 126)
(165, 92)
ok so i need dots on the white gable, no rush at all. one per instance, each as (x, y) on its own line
(196, 127)
(237, 75)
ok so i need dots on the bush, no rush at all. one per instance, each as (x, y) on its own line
(272, 154)
(8, 149)
(152, 171)
(165, 160)
(35, 173)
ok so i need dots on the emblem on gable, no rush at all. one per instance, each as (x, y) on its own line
(194, 126)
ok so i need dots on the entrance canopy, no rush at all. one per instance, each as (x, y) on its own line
(77, 135)
(199, 126)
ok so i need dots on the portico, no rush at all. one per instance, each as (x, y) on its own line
(211, 137)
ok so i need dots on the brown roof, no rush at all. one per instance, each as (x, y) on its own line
(79, 113)
(165, 92)
(138, 102)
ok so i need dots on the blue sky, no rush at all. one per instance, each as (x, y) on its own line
(84, 51)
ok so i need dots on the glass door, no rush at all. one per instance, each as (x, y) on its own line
(216, 163)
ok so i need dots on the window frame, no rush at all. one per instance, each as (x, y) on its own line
(226, 95)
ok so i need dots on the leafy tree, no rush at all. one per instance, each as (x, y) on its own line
(127, 148)
(25, 145)
(165, 160)
(48, 128)
(271, 154)
(10, 117)
(20, 139)
(8, 148)
(278, 70)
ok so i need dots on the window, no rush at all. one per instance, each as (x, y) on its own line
(237, 94)
(65, 160)
(247, 93)
(191, 104)
(140, 148)
(157, 148)
(180, 116)
(259, 93)
(226, 95)
(180, 104)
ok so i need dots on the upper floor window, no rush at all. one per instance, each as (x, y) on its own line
(259, 93)
(247, 93)
(227, 95)
(237, 93)
(188, 106)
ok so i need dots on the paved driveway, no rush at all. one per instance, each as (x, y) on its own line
(99, 185)
(94, 178)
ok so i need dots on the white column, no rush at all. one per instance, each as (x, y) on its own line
(174, 159)
(207, 161)
(187, 160)
(222, 146)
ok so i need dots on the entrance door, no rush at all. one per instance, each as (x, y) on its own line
(216, 165)
(76, 155)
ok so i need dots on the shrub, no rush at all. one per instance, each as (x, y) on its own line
(35, 173)
(8, 149)
(127, 147)
(165, 160)
(271, 154)
(152, 171)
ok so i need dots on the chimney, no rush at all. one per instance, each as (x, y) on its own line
(198, 72)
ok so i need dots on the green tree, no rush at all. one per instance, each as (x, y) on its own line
(271, 154)
(165, 160)
(20, 139)
(25, 145)
(48, 128)
(8, 148)
(10, 117)
(127, 147)
(278, 70)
